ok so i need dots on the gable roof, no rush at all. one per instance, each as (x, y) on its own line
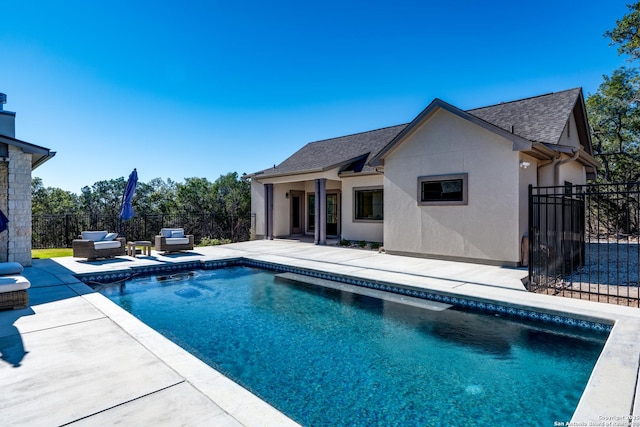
(531, 122)
(538, 119)
(534, 125)
(335, 152)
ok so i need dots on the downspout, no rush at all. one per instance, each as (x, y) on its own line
(557, 163)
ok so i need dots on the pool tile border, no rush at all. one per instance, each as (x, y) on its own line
(473, 304)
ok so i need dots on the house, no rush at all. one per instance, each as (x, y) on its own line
(451, 184)
(17, 160)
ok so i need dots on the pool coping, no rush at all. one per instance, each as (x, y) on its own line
(611, 390)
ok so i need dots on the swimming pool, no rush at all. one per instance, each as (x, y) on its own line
(329, 357)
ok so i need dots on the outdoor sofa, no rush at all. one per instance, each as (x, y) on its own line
(173, 240)
(98, 244)
(13, 287)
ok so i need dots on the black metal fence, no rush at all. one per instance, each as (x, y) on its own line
(584, 241)
(58, 231)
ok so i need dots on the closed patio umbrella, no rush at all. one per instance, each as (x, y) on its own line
(3, 222)
(126, 212)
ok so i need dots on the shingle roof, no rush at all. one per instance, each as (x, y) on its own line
(334, 152)
(538, 119)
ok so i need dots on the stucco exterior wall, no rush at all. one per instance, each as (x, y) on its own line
(370, 231)
(569, 135)
(488, 227)
(528, 175)
(572, 172)
(257, 209)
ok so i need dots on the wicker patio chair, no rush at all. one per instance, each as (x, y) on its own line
(173, 240)
(92, 246)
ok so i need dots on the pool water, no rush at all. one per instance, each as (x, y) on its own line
(326, 357)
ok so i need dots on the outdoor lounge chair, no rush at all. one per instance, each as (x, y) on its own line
(98, 244)
(173, 240)
(13, 287)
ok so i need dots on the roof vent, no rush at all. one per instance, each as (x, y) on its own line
(3, 100)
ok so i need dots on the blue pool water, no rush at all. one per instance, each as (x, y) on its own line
(325, 357)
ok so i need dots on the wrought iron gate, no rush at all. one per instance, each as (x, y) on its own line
(583, 241)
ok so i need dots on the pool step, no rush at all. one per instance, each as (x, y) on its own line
(387, 296)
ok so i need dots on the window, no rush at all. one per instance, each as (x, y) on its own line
(568, 189)
(368, 204)
(442, 190)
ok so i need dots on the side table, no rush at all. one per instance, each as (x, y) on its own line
(144, 244)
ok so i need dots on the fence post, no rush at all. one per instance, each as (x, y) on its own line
(66, 230)
(531, 237)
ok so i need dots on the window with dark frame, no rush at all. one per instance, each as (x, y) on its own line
(442, 190)
(568, 189)
(368, 204)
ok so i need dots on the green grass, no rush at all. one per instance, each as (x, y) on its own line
(51, 253)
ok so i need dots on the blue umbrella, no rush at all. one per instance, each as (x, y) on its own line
(126, 212)
(3, 222)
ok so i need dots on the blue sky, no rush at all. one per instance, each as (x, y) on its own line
(202, 88)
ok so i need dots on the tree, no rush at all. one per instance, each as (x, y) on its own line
(155, 197)
(625, 34)
(104, 197)
(233, 205)
(195, 195)
(52, 201)
(614, 115)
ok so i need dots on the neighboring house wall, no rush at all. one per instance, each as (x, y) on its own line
(488, 228)
(352, 229)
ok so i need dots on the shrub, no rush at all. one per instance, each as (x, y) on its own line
(208, 241)
(375, 245)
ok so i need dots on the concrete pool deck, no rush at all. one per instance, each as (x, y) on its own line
(74, 357)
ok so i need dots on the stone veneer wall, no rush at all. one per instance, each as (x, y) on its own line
(19, 207)
(4, 192)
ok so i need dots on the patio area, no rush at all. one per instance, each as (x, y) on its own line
(74, 357)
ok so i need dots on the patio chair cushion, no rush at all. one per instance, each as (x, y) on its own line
(13, 283)
(94, 236)
(166, 232)
(110, 244)
(10, 268)
(110, 236)
(177, 241)
(177, 234)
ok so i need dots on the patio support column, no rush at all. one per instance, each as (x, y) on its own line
(268, 211)
(316, 216)
(320, 237)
